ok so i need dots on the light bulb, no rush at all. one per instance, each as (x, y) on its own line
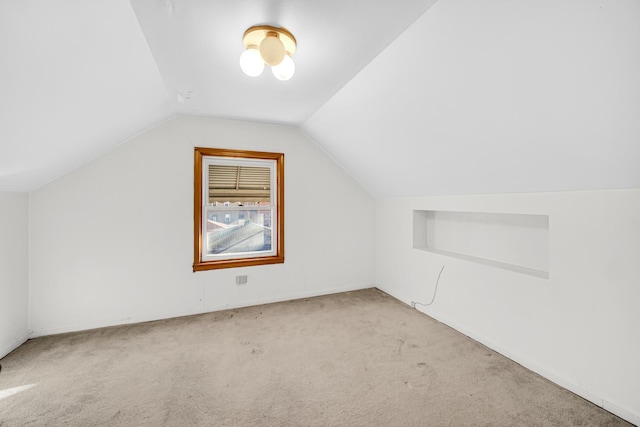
(285, 69)
(272, 49)
(251, 62)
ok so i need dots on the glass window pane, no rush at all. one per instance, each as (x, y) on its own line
(239, 231)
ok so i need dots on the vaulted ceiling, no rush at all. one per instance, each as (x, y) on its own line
(412, 97)
(77, 78)
(197, 44)
(495, 97)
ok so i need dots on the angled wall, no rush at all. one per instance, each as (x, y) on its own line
(481, 97)
(112, 242)
(14, 283)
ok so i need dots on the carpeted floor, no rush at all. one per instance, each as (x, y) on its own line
(353, 359)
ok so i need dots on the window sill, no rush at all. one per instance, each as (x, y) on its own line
(234, 263)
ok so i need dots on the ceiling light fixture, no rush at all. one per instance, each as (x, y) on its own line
(269, 45)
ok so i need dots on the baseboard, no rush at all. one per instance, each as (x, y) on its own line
(132, 319)
(554, 377)
(14, 344)
(623, 413)
(289, 297)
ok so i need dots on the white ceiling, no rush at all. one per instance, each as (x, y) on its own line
(495, 97)
(411, 98)
(79, 77)
(197, 45)
(76, 78)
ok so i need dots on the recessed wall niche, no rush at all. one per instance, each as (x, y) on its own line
(516, 242)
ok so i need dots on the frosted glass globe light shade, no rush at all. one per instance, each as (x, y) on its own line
(272, 50)
(285, 69)
(251, 62)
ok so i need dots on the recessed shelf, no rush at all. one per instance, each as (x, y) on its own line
(504, 265)
(514, 242)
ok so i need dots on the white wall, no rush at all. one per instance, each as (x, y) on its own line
(112, 242)
(14, 284)
(578, 328)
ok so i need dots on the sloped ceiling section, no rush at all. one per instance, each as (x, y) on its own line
(197, 45)
(76, 78)
(488, 97)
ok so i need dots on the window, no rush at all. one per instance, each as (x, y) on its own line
(246, 190)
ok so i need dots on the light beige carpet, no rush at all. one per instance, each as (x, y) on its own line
(353, 359)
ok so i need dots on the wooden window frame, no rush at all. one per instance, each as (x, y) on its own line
(199, 154)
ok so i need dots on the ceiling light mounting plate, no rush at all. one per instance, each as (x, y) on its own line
(254, 35)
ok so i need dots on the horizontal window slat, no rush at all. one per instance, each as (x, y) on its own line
(239, 178)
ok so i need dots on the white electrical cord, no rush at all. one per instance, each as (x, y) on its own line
(435, 291)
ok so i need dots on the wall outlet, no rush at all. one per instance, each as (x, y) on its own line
(241, 280)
